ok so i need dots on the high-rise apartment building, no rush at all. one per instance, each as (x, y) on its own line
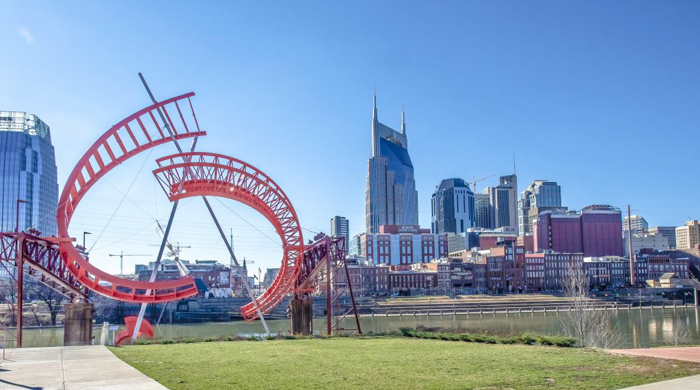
(667, 231)
(482, 211)
(340, 227)
(639, 224)
(504, 203)
(688, 236)
(390, 197)
(452, 207)
(541, 195)
(27, 172)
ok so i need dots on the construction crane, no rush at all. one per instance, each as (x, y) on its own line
(121, 260)
(475, 180)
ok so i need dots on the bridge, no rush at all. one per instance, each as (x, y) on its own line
(64, 266)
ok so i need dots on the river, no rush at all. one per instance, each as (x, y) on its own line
(639, 328)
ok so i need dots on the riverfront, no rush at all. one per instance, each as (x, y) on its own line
(639, 328)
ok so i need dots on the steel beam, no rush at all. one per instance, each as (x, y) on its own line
(238, 267)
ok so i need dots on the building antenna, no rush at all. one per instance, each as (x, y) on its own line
(403, 122)
(514, 172)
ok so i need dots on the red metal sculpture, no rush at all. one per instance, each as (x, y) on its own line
(117, 145)
(146, 330)
(181, 176)
(186, 175)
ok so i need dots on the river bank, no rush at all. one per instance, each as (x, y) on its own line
(638, 328)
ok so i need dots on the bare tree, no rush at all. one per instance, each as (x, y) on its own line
(8, 295)
(591, 327)
(50, 297)
(680, 334)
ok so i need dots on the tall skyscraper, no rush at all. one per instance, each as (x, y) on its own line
(482, 211)
(688, 236)
(504, 203)
(340, 227)
(539, 196)
(27, 172)
(390, 197)
(452, 207)
(639, 224)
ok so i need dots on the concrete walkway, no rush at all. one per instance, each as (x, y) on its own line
(687, 383)
(89, 367)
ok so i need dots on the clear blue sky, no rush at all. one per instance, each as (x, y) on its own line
(601, 96)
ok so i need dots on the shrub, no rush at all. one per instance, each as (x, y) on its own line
(467, 337)
(527, 338)
(508, 340)
(563, 341)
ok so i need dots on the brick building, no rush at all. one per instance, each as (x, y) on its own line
(593, 231)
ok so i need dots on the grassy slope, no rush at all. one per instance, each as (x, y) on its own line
(391, 363)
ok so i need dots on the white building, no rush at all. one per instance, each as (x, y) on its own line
(645, 241)
(403, 244)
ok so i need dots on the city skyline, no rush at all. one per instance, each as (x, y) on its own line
(581, 128)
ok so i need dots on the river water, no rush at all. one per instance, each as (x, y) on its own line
(639, 328)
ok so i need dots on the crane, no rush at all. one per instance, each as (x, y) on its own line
(121, 260)
(475, 180)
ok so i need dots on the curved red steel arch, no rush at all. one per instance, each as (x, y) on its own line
(186, 175)
(117, 145)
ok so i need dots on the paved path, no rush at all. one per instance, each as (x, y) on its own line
(687, 383)
(89, 367)
(691, 354)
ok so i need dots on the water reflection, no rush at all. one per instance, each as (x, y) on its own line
(639, 328)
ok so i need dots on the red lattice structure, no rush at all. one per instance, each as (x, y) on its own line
(131, 136)
(42, 258)
(187, 175)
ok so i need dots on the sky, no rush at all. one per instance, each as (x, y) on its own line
(602, 97)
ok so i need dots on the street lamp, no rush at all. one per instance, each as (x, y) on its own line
(84, 233)
(17, 220)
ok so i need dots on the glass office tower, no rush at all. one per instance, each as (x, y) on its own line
(390, 196)
(27, 172)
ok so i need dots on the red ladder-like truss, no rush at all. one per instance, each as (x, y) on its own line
(42, 258)
(324, 270)
(185, 175)
(131, 136)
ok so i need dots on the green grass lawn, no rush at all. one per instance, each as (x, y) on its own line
(391, 363)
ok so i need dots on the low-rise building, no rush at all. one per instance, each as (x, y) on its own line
(455, 275)
(611, 271)
(659, 263)
(557, 268)
(407, 282)
(367, 278)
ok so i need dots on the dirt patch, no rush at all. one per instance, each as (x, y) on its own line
(648, 365)
(583, 368)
